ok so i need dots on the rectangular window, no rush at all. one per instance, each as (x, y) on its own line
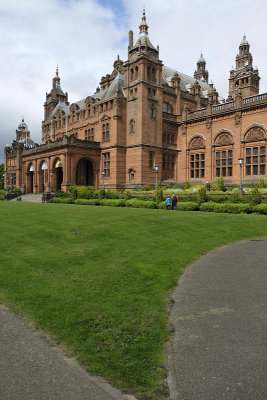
(224, 162)
(104, 133)
(256, 165)
(106, 164)
(151, 159)
(197, 165)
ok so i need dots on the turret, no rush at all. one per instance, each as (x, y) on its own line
(55, 96)
(244, 77)
(201, 73)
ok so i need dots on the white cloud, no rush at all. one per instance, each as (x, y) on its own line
(84, 38)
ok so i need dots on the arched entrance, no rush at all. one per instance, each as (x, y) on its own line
(43, 176)
(59, 174)
(30, 179)
(85, 173)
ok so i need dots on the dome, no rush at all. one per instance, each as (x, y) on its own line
(23, 126)
(201, 58)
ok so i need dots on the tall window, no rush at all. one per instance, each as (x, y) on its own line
(224, 163)
(197, 165)
(105, 133)
(151, 159)
(256, 160)
(106, 164)
(91, 135)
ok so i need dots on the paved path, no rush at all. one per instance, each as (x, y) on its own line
(30, 198)
(32, 368)
(219, 345)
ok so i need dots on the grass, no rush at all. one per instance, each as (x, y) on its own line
(97, 279)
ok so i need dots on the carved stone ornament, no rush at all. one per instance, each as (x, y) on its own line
(183, 129)
(237, 118)
(255, 133)
(223, 139)
(197, 143)
(132, 127)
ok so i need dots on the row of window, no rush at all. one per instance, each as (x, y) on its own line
(168, 138)
(89, 134)
(254, 162)
(150, 73)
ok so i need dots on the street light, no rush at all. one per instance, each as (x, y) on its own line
(240, 160)
(103, 176)
(11, 177)
(51, 174)
(157, 170)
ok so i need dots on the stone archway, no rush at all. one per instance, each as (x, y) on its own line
(43, 176)
(85, 173)
(59, 174)
(30, 175)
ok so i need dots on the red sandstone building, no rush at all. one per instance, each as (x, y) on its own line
(142, 115)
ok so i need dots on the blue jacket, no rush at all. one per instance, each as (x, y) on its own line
(168, 201)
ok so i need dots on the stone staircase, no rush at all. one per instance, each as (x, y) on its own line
(30, 198)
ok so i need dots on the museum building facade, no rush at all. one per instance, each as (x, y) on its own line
(144, 115)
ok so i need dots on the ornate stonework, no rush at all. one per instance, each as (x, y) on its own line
(255, 133)
(196, 143)
(223, 139)
(238, 117)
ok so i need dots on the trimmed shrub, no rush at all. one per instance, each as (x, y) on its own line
(261, 183)
(162, 205)
(220, 184)
(255, 197)
(127, 195)
(101, 194)
(187, 206)
(140, 204)
(83, 192)
(202, 195)
(145, 198)
(64, 200)
(112, 202)
(217, 199)
(188, 197)
(186, 185)
(87, 202)
(232, 208)
(159, 196)
(113, 194)
(208, 207)
(260, 208)
(147, 187)
(236, 198)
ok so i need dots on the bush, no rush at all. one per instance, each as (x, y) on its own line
(188, 197)
(113, 194)
(260, 208)
(64, 200)
(87, 202)
(236, 198)
(217, 199)
(186, 185)
(63, 195)
(202, 195)
(140, 204)
(145, 198)
(255, 197)
(208, 207)
(127, 195)
(101, 194)
(83, 192)
(162, 205)
(159, 196)
(261, 183)
(112, 202)
(147, 187)
(232, 208)
(187, 206)
(220, 184)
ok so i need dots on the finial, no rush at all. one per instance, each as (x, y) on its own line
(22, 119)
(144, 10)
(57, 70)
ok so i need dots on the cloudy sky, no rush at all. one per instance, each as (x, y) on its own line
(84, 38)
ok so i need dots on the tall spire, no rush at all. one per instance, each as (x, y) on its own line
(143, 26)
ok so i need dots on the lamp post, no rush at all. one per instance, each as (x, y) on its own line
(240, 160)
(51, 174)
(11, 177)
(157, 170)
(103, 176)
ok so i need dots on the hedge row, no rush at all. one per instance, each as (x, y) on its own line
(234, 208)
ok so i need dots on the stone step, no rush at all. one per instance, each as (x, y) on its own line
(31, 198)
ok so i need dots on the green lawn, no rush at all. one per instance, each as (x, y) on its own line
(97, 279)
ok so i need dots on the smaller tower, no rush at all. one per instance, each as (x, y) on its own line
(201, 73)
(22, 132)
(55, 96)
(244, 77)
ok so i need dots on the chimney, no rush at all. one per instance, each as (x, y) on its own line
(130, 39)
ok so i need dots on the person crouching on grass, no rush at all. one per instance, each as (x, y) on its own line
(174, 202)
(168, 203)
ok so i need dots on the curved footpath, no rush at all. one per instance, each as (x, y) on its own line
(219, 322)
(218, 350)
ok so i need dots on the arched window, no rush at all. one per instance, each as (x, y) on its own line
(224, 155)
(197, 158)
(255, 151)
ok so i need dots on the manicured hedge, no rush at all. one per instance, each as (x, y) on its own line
(187, 206)
(260, 208)
(140, 204)
(233, 208)
(87, 202)
(112, 202)
(66, 200)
